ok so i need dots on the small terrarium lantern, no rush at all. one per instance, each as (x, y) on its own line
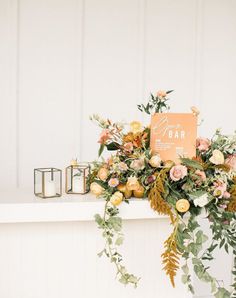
(77, 175)
(47, 182)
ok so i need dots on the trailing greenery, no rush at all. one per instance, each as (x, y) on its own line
(204, 185)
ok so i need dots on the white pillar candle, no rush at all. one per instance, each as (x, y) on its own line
(50, 189)
(78, 184)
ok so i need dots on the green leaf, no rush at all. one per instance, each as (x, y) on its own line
(98, 219)
(113, 146)
(222, 293)
(212, 247)
(101, 149)
(185, 269)
(191, 289)
(222, 242)
(115, 223)
(184, 279)
(191, 163)
(119, 241)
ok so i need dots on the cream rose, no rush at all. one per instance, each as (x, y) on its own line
(96, 189)
(132, 183)
(103, 174)
(201, 201)
(155, 161)
(116, 198)
(217, 157)
(137, 164)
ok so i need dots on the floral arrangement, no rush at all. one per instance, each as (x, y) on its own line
(204, 184)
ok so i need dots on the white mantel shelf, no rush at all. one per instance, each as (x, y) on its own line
(20, 205)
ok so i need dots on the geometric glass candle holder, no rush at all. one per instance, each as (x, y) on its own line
(47, 182)
(77, 178)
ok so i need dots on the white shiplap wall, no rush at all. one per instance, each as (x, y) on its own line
(62, 60)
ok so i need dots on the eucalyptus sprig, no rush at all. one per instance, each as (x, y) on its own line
(156, 104)
(111, 224)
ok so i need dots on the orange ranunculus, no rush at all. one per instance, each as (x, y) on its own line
(129, 137)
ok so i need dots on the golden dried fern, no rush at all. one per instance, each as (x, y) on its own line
(155, 196)
(170, 257)
(232, 203)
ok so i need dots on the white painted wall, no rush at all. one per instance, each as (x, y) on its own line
(62, 60)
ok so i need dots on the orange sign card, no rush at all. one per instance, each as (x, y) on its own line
(173, 135)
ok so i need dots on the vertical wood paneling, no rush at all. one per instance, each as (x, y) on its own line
(111, 65)
(47, 84)
(58, 260)
(170, 50)
(61, 61)
(219, 63)
(215, 81)
(8, 93)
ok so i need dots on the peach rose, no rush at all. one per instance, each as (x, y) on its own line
(231, 161)
(104, 136)
(161, 94)
(96, 189)
(203, 144)
(103, 174)
(132, 183)
(116, 198)
(182, 205)
(217, 157)
(178, 172)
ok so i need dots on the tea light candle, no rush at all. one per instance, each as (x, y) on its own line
(50, 189)
(78, 184)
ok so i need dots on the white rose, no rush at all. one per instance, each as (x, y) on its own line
(155, 161)
(201, 201)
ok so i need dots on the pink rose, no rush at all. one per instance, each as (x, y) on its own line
(226, 195)
(203, 144)
(178, 172)
(201, 175)
(231, 161)
(104, 136)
